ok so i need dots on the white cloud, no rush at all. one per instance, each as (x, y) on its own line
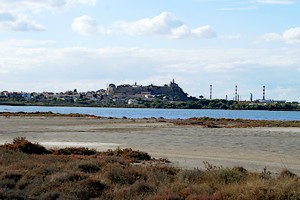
(292, 35)
(238, 8)
(19, 22)
(165, 24)
(253, 4)
(40, 69)
(16, 15)
(37, 6)
(84, 25)
(230, 37)
(25, 43)
(269, 37)
(203, 32)
(276, 1)
(162, 24)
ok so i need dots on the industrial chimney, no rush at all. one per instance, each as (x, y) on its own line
(264, 92)
(236, 93)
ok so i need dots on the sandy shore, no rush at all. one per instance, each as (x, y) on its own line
(186, 146)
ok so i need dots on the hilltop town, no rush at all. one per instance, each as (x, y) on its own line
(167, 96)
(122, 94)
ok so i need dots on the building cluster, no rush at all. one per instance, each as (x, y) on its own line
(119, 94)
(70, 96)
(124, 94)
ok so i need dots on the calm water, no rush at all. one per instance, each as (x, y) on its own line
(165, 113)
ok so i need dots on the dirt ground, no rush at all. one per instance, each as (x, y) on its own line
(185, 146)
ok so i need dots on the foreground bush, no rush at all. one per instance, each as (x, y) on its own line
(75, 151)
(130, 154)
(103, 176)
(23, 145)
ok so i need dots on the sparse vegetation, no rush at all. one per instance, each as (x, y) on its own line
(75, 151)
(205, 122)
(208, 122)
(23, 145)
(44, 114)
(115, 175)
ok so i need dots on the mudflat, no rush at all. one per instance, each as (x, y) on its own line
(187, 146)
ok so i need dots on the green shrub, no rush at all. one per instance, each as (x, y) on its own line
(117, 151)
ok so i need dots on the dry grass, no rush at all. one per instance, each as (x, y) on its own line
(235, 123)
(110, 175)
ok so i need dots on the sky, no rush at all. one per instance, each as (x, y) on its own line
(61, 45)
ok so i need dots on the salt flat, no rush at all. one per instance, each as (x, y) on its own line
(186, 146)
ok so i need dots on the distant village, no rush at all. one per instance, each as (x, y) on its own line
(167, 96)
(119, 94)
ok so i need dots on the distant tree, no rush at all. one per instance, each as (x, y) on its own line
(176, 98)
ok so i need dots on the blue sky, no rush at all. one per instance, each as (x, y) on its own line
(59, 45)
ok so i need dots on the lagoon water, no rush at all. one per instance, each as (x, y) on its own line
(165, 113)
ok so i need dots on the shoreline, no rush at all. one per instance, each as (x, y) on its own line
(131, 106)
(206, 122)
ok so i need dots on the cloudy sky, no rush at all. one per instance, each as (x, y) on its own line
(59, 45)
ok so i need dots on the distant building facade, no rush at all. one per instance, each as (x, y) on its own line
(172, 91)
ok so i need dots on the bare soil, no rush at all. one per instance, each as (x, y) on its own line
(186, 146)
